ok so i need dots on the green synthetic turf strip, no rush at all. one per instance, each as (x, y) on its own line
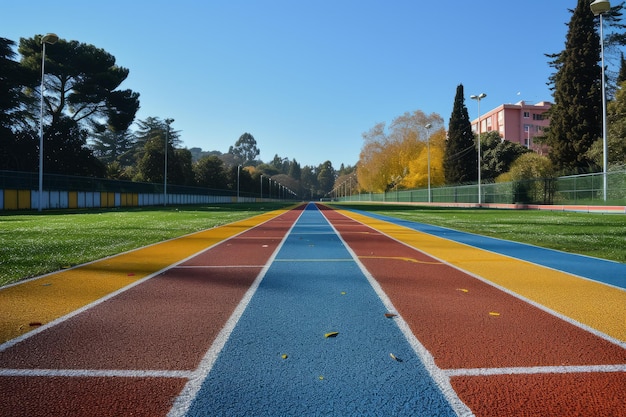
(598, 235)
(35, 244)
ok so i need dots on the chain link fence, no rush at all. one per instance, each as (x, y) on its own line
(585, 189)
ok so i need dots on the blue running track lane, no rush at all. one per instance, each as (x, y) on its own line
(278, 362)
(601, 270)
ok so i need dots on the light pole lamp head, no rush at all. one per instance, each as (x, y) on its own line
(50, 38)
(478, 97)
(599, 7)
(428, 126)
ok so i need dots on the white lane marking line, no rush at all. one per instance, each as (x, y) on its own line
(10, 343)
(190, 391)
(542, 307)
(314, 260)
(564, 369)
(216, 266)
(97, 373)
(440, 378)
(259, 238)
(312, 233)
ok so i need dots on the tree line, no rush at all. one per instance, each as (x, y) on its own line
(396, 157)
(87, 129)
(88, 118)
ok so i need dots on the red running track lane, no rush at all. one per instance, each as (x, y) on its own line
(541, 365)
(132, 354)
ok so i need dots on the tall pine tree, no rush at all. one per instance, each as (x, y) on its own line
(460, 162)
(576, 117)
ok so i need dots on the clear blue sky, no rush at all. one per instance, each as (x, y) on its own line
(306, 78)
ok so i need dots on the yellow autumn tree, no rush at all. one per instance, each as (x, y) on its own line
(389, 157)
(371, 164)
(418, 167)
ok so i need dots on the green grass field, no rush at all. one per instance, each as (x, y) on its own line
(35, 244)
(598, 235)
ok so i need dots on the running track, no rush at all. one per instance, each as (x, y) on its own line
(233, 321)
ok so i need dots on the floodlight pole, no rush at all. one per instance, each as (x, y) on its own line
(478, 98)
(599, 7)
(238, 168)
(51, 39)
(261, 186)
(167, 139)
(427, 127)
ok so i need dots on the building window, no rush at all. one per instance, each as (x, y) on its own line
(526, 114)
(537, 116)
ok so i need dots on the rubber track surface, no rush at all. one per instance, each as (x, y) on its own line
(290, 314)
(504, 355)
(133, 353)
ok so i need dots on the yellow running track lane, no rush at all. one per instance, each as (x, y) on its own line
(30, 304)
(599, 306)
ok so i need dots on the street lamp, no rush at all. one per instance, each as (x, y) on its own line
(167, 139)
(478, 98)
(51, 39)
(598, 8)
(261, 186)
(428, 126)
(238, 168)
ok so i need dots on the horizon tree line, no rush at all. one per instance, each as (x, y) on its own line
(89, 116)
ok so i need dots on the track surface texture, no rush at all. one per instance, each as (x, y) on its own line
(316, 311)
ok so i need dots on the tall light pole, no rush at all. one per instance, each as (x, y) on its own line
(427, 127)
(261, 186)
(478, 98)
(51, 39)
(238, 168)
(167, 140)
(598, 8)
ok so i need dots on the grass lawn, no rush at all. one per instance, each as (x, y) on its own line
(598, 235)
(35, 244)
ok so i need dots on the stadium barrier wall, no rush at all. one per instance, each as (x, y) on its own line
(55, 200)
(20, 191)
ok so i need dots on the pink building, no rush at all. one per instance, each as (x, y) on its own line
(518, 123)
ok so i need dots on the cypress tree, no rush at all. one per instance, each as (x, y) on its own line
(621, 75)
(460, 162)
(576, 117)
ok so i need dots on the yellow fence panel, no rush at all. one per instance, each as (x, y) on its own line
(72, 199)
(10, 199)
(23, 200)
